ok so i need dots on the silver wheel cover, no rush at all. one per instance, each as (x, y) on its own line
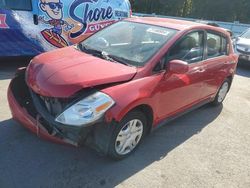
(223, 92)
(129, 137)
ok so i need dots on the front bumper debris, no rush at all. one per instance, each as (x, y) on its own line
(27, 109)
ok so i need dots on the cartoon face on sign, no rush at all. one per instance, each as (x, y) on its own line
(54, 10)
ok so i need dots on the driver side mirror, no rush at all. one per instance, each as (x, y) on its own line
(178, 67)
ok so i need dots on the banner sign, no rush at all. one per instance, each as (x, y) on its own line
(61, 23)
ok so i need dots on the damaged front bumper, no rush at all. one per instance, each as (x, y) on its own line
(27, 110)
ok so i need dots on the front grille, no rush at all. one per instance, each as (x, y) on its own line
(54, 106)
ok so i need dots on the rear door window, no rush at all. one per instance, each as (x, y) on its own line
(217, 45)
(16, 4)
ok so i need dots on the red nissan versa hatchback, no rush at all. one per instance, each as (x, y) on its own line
(114, 87)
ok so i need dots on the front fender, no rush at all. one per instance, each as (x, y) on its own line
(131, 94)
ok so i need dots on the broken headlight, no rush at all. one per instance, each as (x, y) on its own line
(86, 111)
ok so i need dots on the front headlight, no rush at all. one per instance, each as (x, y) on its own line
(87, 110)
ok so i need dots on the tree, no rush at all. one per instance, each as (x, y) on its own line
(220, 10)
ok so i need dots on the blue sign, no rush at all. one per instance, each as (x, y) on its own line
(60, 24)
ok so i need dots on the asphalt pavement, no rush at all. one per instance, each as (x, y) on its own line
(209, 147)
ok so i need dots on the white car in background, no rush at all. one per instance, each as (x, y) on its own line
(242, 45)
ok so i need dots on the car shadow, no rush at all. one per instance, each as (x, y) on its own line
(243, 71)
(27, 160)
(9, 65)
(243, 68)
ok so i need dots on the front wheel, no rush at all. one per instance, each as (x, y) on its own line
(128, 135)
(221, 95)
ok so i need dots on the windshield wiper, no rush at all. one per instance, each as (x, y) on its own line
(122, 60)
(114, 58)
(95, 52)
(105, 55)
(83, 48)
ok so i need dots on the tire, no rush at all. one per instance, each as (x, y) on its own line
(124, 140)
(222, 92)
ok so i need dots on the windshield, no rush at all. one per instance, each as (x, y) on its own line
(133, 43)
(246, 34)
(16, 4)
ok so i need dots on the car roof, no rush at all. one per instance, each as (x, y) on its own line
(175, 23)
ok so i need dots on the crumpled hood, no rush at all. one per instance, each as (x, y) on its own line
(63, 72)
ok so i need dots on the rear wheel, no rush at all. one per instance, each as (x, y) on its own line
(128, 135)
(221, 95)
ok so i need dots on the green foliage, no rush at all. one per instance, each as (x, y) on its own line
(220, 10)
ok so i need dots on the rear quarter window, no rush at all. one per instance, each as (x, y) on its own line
(217, 45)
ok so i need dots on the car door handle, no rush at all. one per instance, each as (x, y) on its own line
(199, 70)
(229, 62)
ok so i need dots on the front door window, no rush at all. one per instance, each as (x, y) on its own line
(190, 48)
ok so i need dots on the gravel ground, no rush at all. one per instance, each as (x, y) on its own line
(209, 147)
